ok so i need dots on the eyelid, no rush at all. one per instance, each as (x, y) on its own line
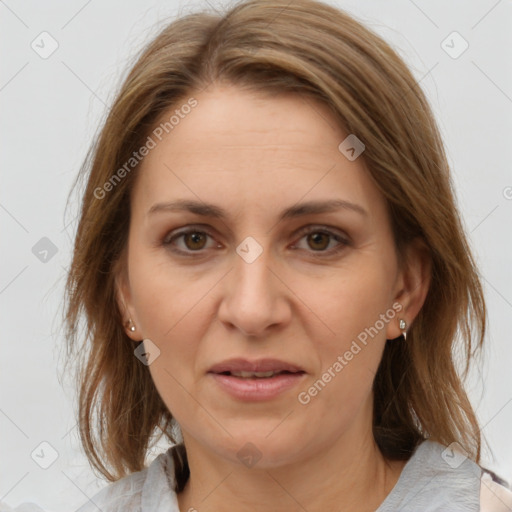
(342, 239)
(333, 232)
(175, 234)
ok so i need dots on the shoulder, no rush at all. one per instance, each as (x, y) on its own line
(494, 497)
(150, 490)
(143, 490)
(462, 478)
(436, 478)
(124, 494)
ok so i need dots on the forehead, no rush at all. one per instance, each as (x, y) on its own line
(241, 147)
(255, 119)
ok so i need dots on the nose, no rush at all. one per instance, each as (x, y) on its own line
(255, 298)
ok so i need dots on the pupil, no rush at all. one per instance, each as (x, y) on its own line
(317, 238)
(195, 238)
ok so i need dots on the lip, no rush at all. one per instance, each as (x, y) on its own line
(261, 365)
(256, 388)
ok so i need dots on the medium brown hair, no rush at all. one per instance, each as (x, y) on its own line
(308, 48)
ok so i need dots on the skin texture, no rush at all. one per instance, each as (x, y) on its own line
(255, 156)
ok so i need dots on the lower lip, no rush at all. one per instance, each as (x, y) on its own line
(257, 389)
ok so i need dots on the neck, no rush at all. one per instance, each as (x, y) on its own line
(349, 475)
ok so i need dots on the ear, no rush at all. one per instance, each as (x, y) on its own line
(124, 302)
(412, 285)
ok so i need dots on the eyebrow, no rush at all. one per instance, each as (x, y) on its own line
(211, 210)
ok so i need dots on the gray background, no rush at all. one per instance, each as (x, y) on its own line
(52, 107)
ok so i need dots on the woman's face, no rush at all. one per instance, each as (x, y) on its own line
(317, 288)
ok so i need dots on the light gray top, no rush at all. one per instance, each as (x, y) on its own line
(435, 478)
(427, 484)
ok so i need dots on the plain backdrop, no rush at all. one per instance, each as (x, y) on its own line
(50, 109)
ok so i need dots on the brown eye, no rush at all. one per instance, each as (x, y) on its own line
(319, 240)
(322, 241)
(194, 240)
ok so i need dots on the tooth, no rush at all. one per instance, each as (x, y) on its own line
(246, 375)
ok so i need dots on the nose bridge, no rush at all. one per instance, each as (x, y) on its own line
(252, 273)
(252, 267)
(253, 299)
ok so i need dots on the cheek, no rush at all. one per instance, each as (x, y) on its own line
(351, 302)
(173, 311)
(355, 309)
(172, 325)
(172, 377)
(165, 296)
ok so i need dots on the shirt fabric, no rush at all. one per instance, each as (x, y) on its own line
(432, 480)
(427, 483)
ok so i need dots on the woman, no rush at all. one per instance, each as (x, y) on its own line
(273, 271)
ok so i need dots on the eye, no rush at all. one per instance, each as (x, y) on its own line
(193, 240)
(319, 239)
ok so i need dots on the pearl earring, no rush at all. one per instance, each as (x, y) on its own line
(130, 325)
(403, 327)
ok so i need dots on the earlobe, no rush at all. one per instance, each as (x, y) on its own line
(126, 311)
(413, 285)
(130, 325)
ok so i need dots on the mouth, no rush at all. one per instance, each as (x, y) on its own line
(258, 380)
(262, 368)
(258, 375)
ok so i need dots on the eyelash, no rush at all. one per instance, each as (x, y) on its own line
(343, 242)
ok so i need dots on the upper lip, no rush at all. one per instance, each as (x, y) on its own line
(260, 365)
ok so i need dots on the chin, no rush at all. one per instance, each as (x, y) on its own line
(261, 450)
